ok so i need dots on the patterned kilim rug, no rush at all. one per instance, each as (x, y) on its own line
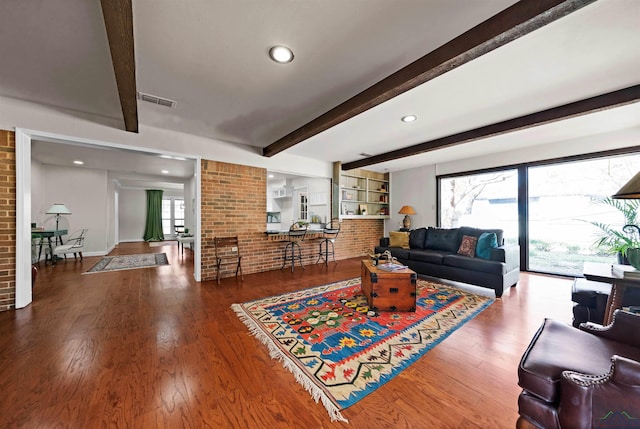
(129, 262)
(339, 350)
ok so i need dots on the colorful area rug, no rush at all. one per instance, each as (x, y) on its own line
(129, 262)
(341, 351)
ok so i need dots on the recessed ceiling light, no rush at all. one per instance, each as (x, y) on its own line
(165, 171)
(179, 158)
(271, 176)
(165, 156)
(409, 118)
(281, 54)
(78, 162)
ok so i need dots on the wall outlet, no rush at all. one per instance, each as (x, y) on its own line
(234, 249)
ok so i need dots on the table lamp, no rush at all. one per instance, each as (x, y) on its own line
(58, 209)
(407, 210)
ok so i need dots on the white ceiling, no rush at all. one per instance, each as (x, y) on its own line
(211, 57)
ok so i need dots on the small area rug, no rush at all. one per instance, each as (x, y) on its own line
(129, 262)
(160, 243)
(339, 350)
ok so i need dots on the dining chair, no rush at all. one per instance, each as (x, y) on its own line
(227, 251)
(75, 245)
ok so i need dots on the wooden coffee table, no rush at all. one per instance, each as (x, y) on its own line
(389, 290)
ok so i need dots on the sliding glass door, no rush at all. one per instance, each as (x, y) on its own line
(557, 211)
(569, 208)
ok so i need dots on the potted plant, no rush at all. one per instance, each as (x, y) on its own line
(618, 240)
(633, 253)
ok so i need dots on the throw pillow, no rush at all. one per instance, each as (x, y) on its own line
(399, 239)
(468, 246)
(486, 242)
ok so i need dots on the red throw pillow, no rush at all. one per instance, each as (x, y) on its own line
(468, 246)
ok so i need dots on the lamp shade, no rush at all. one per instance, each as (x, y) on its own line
(407, 210)
(58, 208)
(631, 190)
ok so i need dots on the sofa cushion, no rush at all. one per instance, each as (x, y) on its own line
(473, 264)
(468, 246)
(430, 256)
(417, 238)
(443, 239)
(486, 242)
(399, 239)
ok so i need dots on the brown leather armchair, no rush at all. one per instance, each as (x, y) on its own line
(582, 378)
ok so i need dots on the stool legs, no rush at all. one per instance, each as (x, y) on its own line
(291, 248)
(325, 254)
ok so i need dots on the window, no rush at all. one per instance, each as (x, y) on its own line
(172, 214)
(566, 202)
(486, 200)
(303, 206)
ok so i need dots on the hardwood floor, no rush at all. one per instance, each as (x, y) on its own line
(151, 348)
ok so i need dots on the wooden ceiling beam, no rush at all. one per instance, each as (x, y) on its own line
(118, 21)
(583, 107)
(516, 21)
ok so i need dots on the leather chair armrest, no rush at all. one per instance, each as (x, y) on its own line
(509, 254)
(604, 400)
(625, 328)
(384, 242)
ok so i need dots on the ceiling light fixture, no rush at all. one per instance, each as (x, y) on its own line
(281, 54)
(78, 162)
(165, 171)
(409, 118)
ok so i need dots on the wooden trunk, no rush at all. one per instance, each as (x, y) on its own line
(389, 290)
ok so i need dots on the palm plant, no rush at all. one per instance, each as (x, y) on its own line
(618, 240)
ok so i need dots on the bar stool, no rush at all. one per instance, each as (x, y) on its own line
(329, 234)
(296, 234)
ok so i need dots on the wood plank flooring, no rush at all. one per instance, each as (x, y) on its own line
(151, 348)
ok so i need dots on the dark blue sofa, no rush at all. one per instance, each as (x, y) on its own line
(433, 252)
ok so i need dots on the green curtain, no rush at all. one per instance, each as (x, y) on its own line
(153, 228)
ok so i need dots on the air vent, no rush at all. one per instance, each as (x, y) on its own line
(156, 100)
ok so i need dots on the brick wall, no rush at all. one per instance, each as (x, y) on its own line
(234, 202)
(7, 220)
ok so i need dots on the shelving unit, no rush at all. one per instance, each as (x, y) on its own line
(362, 194)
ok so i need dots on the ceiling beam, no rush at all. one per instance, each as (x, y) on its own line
(510, 24)
(118, 20)
(578, 108)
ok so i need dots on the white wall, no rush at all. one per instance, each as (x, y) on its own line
(22, 114)
(36, 193)
(84, 192)
(132, 211)
(415, 187)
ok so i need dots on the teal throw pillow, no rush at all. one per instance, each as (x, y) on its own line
(486, 242)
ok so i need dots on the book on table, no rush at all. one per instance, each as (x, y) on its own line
(392, 267)
(625, 271)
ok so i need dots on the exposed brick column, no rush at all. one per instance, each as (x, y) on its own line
(7, 220)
